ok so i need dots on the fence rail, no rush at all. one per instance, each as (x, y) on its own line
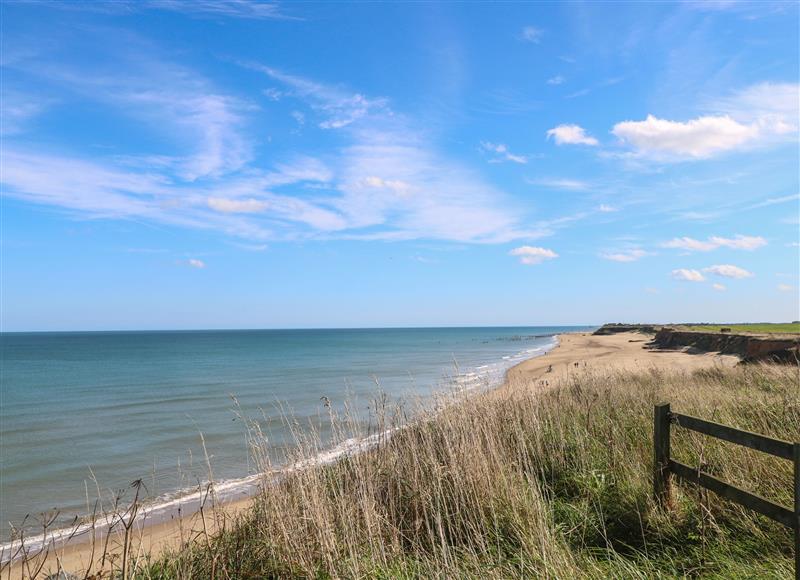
(664, 467)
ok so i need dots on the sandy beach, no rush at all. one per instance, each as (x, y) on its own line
(627, 351)
(576, 353)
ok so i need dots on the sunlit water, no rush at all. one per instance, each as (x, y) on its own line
(118, 406)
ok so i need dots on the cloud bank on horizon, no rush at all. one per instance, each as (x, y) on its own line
(633, 164)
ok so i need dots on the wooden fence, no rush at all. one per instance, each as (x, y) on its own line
(665, 467)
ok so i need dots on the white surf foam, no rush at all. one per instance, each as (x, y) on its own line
(186, 502)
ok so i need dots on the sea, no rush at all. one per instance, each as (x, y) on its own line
(85, 414)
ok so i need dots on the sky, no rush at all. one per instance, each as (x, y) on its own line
(234, 164)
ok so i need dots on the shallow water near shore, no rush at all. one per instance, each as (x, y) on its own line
(118, 406)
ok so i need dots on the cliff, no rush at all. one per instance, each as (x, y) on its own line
(618, 327)
(781, 348)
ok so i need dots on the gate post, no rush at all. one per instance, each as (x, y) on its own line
(796, 520)
(662, 488)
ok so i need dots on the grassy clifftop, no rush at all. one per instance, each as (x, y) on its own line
(525, 483)
(759, 328)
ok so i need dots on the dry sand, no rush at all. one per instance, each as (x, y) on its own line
(626, 351)
(576, 353)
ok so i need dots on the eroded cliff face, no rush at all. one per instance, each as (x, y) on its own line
(616, 327)
(749, 347)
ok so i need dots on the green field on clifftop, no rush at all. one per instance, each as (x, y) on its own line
(788, 327)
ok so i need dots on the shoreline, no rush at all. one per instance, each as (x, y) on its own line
(164, 522)
(572, 353)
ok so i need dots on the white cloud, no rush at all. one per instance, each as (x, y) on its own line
(689, 244)
(758, 115)
(773, 108)
(530, 255)
(532, 34)
(738, 242)
(625, 256)
(698, 138)
(556, 80)
(571, 135)
(688, 275)
(225, 205)
(785, 287)
(502, 151)
(299, 117)
(728, 271)
(719, 287)
(195, 263)
(603, 208)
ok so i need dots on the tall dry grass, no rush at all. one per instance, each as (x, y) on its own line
(516, 483)
(521, 482)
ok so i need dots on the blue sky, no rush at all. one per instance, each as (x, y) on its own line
(232, 164)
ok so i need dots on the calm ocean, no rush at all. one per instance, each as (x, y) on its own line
(119, 406)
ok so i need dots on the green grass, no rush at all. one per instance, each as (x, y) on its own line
(515, 483)
(523, 483)
(788, 327)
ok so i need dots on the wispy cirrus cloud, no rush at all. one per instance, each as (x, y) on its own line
(173, 101)
(384, 180)
(227, 205)
(502, 153)
(561, 183)
(240, 9)
(532, 34)
(393, 183)
(775, 201)
(625, 256)
(19, 108)
(585, 91)
(337, 106)
(246, 9)
(738, 242)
